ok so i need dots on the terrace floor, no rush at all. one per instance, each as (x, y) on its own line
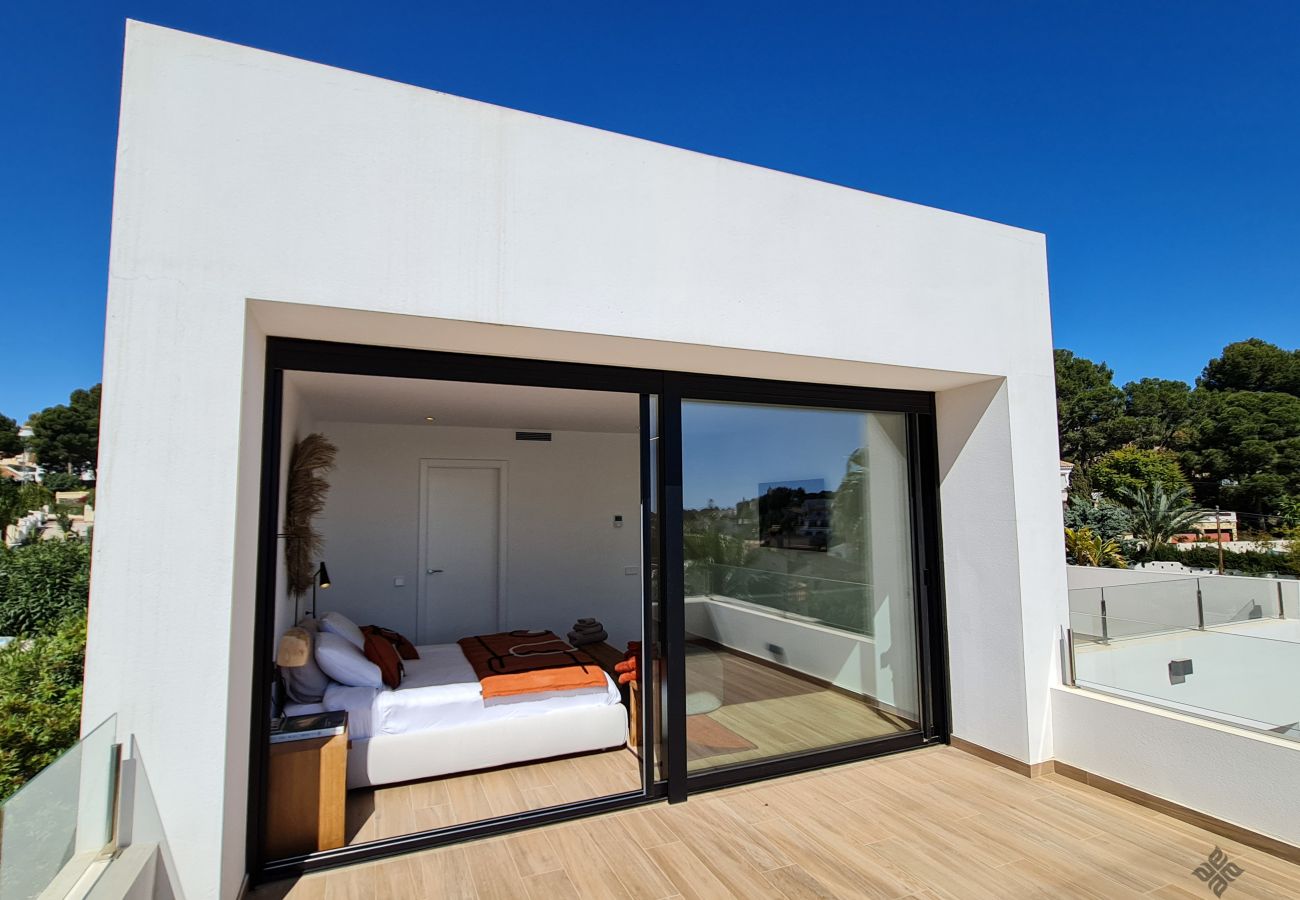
(933, 823)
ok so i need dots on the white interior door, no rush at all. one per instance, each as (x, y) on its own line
(462, 548)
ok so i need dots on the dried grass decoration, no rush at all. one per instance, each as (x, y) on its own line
(305, 499)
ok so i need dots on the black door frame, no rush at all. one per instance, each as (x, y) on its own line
(293, 354)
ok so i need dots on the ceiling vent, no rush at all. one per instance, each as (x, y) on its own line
(532, 435)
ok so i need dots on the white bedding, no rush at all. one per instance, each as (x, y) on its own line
(440, 691)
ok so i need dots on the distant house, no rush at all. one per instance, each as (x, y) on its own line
(1067, 469)
(1214, 527)
(18, 470)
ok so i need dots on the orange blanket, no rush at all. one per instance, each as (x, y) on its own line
(528, 662)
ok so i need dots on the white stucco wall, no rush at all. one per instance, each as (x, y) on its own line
(564, 558)
(1248, 779)
(257, 194)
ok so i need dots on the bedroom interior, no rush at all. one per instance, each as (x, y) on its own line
(484, 600)
(493, 621)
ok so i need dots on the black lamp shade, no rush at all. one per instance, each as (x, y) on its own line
(324, 575)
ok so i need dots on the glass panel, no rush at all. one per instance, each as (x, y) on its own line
(57, 823)
(800, 602)
(1242, 673)
(502, 529)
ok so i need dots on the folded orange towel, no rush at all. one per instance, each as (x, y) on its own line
(626, 677)
(524, 662)
(627, 665)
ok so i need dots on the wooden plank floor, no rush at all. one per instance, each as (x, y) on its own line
(778, 711)
(934, 823)
(374, 813)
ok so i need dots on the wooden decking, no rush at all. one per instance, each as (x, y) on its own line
(935, 823)
(458, 799)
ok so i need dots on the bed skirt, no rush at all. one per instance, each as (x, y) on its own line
(391, 758)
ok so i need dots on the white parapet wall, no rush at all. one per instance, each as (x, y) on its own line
(832, 655)
(1247, 779)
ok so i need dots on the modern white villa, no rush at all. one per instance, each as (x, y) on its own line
(557, 482)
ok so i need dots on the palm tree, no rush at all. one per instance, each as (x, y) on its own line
(1156, 515)
(1084, 547)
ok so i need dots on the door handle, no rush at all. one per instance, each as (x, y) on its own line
(432, 571)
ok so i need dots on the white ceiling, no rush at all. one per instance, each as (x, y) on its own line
(331, 397)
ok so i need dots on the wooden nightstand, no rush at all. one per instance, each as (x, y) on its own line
(306, 795)
(607, 656)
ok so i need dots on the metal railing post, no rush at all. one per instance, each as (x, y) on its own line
(1105, 625)
(1200, 607)
(1281, 605)
(1067, 656)
(114, 823)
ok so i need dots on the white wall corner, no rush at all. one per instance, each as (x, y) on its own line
(982, 572)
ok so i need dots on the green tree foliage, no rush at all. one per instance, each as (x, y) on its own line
(1089, 408)
(1084, 547)
(66, 437)
(1247, 454)
(40, 700)
(1163, 413)
(41, 584)
(1156, 515)
(1254, 365)
(63, 481)
(18, 499)
(1131, 468)
(10, 443)
(1236, 434)
(1106, 519)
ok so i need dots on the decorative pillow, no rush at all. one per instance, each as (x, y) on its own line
(405, 649)
(337, 623)
(343, 662)
(382, 653)
(306, 683)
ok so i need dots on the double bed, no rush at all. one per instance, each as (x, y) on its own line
(436, 722)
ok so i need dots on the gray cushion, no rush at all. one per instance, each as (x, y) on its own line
(306, 683)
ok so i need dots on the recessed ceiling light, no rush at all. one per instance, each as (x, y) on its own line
(429, 419)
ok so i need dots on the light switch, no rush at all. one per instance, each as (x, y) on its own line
(618, 521)
(399, 581)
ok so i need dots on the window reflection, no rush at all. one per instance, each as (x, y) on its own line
(798, 572)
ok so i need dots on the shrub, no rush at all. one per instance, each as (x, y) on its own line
(40, 700)
(1083, 547)
(63, 481)
(1105, 519)
(1248, 562)
(41, 584)
(17, 500)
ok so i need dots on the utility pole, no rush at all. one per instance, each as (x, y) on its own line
(1218, 537)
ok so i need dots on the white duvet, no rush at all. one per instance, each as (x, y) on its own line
(439, 690)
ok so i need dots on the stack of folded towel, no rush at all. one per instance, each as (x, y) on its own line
(627, 668)
(587, 631)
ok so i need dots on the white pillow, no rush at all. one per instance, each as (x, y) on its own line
(306, 683)
(344, 663)
(337, 623)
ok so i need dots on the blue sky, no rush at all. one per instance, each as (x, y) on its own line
(1156, 144)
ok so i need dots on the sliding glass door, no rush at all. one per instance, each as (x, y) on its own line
(777, 609)
(799, 580)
